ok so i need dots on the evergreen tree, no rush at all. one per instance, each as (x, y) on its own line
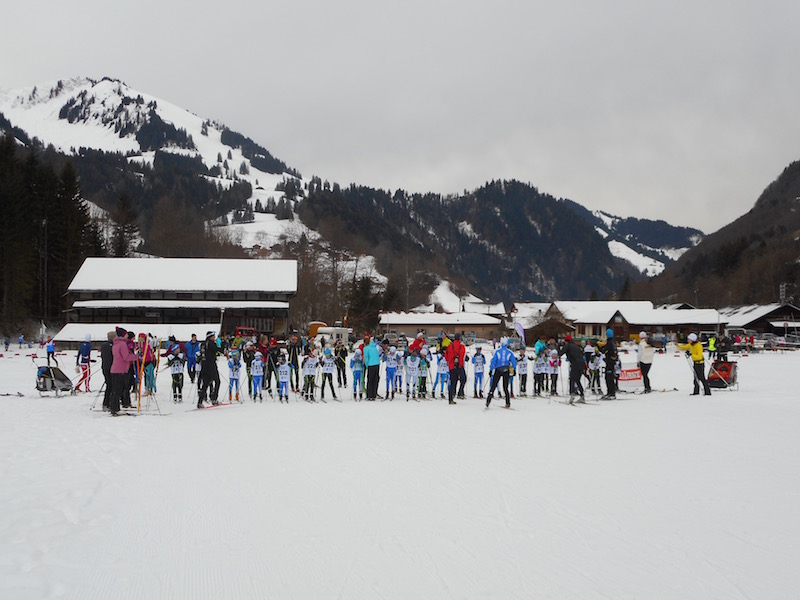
(16, 257)
(125, 226)
(283, 212)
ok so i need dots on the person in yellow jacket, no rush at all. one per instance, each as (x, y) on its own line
(696, 348)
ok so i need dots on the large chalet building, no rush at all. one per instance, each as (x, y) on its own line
(179, 296)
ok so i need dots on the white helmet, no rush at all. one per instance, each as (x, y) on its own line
(692, 337)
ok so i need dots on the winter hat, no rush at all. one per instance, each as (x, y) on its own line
(504, 342)
(424, 352)
(568, 338)
(392, 350)
(259, 355)
(609, 333)
(327, 351)
(121, 332)
(209, 334)
(171, 338)
(692, 337)
(420, 335)
(358, 351)
(642, 334)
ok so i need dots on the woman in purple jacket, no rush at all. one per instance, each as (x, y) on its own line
(121, 361)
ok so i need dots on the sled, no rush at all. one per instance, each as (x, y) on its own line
(52, 379)
(724, 374)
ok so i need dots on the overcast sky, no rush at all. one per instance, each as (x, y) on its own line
(675, 110)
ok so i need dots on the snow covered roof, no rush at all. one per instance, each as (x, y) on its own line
(529, 314)
(388, 319)
(76, 332)
(580, 310)
(484, 308)
(214, 304)
(741, 316)
(641, 315)
(791, 325)
(186, 274)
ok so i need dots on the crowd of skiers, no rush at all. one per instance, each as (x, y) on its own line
(308, 368)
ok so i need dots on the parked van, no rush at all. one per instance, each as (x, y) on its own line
(331, 335)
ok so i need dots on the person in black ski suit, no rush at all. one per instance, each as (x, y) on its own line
(106, 358)
(209, 374)
(341, 364)
(295, 351)
(609, 351)
(577, 367)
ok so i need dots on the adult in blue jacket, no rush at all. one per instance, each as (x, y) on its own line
(372, 362)
(192, 348)
(503, 364)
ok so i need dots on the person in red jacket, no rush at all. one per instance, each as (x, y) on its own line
(456, 354)
(417, 343)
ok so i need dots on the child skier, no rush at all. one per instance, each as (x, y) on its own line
(147, 355)
(284, 376)
(478, 365)
(412, 374)
(328, 369)
(390, 358)
(424, 367)
(248, 355)
(522, 371)
(84, 359)
(257, 373)
(594, 363)
(175, 360)
(442, 376)
(357, 367)
(341, 360)
(51, 350)
(234, 369)
(401, 368)
(309, 375)
(553, 369)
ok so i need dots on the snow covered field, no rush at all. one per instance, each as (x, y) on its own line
(658, 496)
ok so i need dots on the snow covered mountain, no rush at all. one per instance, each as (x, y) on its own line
(125, 141)
(648, 245)
(108, 115)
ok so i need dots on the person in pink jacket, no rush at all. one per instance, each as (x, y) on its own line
(122, 357)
